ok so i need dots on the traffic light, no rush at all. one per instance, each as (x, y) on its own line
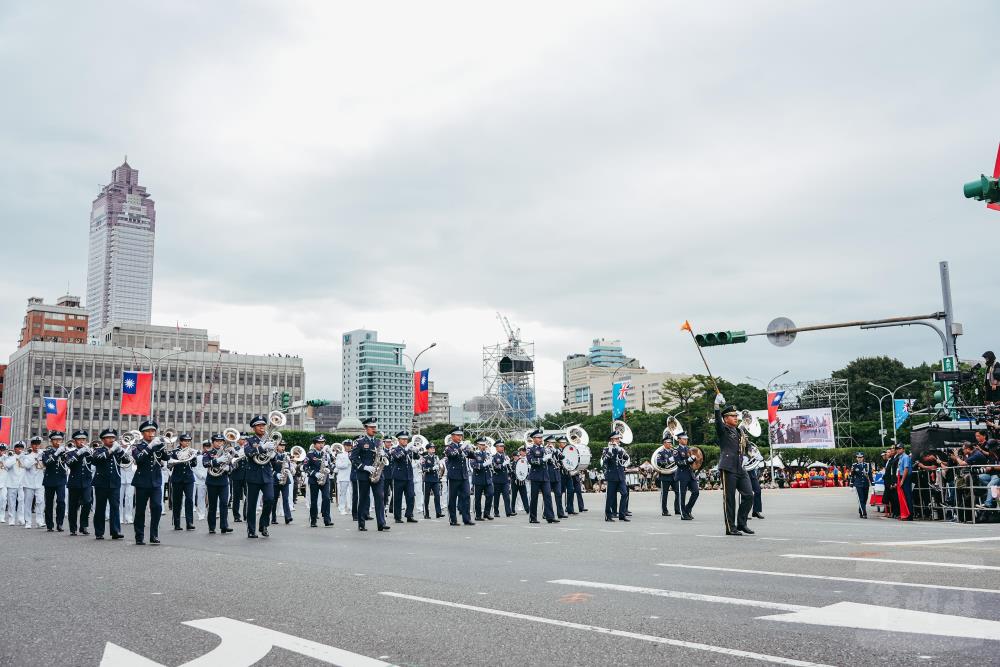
(985, 189)
(286, 400)
(721, 338)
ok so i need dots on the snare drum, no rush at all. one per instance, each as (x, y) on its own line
(521, 470)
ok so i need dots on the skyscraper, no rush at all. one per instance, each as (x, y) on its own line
(120, 263)
(376, 383)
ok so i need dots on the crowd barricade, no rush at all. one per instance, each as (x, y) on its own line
(960, 494)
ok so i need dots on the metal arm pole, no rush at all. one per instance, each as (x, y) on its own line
(881, 423)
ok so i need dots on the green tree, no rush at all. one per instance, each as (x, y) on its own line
(678, 392)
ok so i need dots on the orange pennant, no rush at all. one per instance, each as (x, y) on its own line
(686, 326)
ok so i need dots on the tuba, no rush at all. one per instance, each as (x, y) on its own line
(673, 428)
(419, 444)
(130, 438)
(669, 469)
(275, 420)
(577, 435)
(231, 435)
(622, 429)
(298, 454)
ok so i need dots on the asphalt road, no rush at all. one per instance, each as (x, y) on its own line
(505, 592)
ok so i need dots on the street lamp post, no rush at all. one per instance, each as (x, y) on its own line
(892, 393)
(68, 393)
(768, 384)
(413, 370)
(881, 424)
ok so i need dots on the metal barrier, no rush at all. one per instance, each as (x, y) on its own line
(965, 494)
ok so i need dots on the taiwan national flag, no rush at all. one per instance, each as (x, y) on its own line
(5, 431)
(55, 414)
(421, 394)
(773, 403)
(619, 396)
(137, 393)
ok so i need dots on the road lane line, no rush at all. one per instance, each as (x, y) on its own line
(616, 633)
(923, 542)
(963, 566)
(820, 576)
(681, 595)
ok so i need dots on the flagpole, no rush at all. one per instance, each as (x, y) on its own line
(687, 327)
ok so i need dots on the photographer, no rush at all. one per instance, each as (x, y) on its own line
(991, 381)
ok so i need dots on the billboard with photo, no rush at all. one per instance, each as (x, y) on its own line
(811, 428)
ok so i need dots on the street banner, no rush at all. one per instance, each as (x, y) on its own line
(811, 428)
(421, 395)
(619, 395)
(901, 410)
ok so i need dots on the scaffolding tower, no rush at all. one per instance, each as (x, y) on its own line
(508, 386)
(826, 393)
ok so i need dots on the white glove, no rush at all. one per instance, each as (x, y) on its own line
(720, 400)
(369, 469)
(117, 447)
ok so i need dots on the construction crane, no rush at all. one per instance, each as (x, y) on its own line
(513, 335)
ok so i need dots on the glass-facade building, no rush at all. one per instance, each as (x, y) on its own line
(606, 353)
(376, 381)
(120, 259)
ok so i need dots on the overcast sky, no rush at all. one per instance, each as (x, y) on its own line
(587, 169)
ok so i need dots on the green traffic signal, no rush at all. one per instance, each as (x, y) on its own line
(721, 338)
(985, 189)
(286, 400)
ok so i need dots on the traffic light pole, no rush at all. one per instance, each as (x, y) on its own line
(855, 323)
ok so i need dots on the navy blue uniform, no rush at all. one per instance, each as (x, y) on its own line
(148, 483)
(458, 483)
(238, 486)
(734, 476)
(482, 482)
(362, 456)
(182, 490)
(217, 487)
(555, 480)
(861, 479)
(432, 483)
(260, 483)
(80, 485)
(282, 489)
(107, 483)
(402, 482)
(687, 479)
(540, 484)
(501, 483)
(319, 494)
(668, 483)
(54, 482)
(614, 475)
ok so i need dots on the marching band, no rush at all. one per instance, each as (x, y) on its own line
(372, 475)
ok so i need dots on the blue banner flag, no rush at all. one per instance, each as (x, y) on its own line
(901, 410)
(619, 394)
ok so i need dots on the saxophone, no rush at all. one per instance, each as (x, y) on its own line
(324, 469)
(381, 461)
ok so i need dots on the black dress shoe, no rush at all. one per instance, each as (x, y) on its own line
(553, 520)
(664, 513)
(117, 537)
(190, 526)
(412, 520)
(211, 532)
(624, 519)
(607, 518)
(369, 518)
(139, 543)
(398, 521)
(489, 518)
(571, 513)
(362, 528)
(686, 517)
(252, 536)
(84, 531)
(734, 533)
(49, 529)
(452, 523)
(226, 530)
(312, 524)
(72, 533)
(328, 523)
(288, 521)
(381, 528)
(263, 531)
(178, 528)
(534, 521)
(58, 528)
(154, 540)
(439, 516)
(562, 516)
(99, 537)
(237, 520)
(758, 515)
(469, 523)
(583, 510)
(745, 529)
(427, 516)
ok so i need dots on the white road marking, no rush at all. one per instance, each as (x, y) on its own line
(923, 542)
(679, 594)
(608, 631)
(872, 617)
(659, 533)
(243, 644)
(777, 539)
(605, 530)
(832, 542)
(963, 566)
(820, 576)
(711, 536)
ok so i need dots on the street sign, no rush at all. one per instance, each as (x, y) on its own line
(780, 339)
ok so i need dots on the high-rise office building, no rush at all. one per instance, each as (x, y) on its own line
(120, 260)
(603, 357)
(376, 383)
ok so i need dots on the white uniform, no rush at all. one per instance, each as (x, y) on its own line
(15, 494)
(126, 495)
(342, 465)
(200, 490)
(8, 460)
(31, 483)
